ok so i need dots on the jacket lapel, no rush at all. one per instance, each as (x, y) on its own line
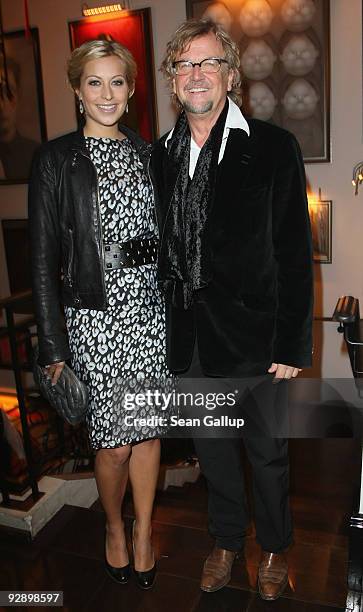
(235, 169)
(170, 171)
(165, 175)
(239, 159)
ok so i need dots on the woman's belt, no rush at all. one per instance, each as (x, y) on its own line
(130, 254)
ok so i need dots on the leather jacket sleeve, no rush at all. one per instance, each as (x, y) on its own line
(44, 227)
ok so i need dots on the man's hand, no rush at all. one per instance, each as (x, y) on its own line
(283, 371)
(54, 371)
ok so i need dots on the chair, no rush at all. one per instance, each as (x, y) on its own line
(347, 315)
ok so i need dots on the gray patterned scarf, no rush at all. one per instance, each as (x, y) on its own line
(185, 258)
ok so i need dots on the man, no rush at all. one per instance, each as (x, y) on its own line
(235, 260)
(16, 151)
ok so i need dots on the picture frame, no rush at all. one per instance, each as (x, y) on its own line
(285, 64)
(133, 30)
(320, 212)
(22, 116)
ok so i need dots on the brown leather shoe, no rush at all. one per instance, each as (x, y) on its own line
(217, 569)
(272, 575)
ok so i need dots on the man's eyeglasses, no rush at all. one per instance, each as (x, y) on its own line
(207, 66)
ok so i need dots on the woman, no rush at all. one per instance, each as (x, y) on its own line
(89, 193)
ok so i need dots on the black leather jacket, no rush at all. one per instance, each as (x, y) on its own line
(66, 237)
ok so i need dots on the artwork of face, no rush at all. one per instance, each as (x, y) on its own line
(262, 101)
(300, 99)
(219, 13)
(299, 55)
(257, 60)
(298, 14)
(256, 17)
(8, 106)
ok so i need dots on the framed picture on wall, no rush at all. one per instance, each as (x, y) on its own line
(133, 30)
(285, 63)
(320, 212)
(22, 118)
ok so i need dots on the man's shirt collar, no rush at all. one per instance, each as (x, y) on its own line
(235, 119)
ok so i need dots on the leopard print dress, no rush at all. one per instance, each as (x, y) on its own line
(118, 351)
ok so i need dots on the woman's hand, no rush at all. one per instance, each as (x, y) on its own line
(54, 371)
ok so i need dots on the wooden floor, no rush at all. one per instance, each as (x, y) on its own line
(68, 553)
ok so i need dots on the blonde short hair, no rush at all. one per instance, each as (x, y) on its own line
(195, 28)
(96, 49)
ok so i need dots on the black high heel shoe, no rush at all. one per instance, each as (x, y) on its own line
(118, 574)
(145, 580)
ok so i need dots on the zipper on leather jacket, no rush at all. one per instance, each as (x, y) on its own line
(71, 257)
(100, 234)
(153, 193)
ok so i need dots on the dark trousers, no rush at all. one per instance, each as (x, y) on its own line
(221, 463)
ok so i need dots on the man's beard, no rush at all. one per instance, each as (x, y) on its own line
(198, 110)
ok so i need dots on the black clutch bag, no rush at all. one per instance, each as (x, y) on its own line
(69, 396)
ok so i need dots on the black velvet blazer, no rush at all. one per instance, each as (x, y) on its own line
(258, 307)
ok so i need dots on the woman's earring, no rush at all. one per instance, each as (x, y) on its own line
(81, 107)
(127, 108)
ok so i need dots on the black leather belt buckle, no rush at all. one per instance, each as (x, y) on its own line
(113, 256)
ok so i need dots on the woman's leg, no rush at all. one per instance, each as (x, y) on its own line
(144, 470)
(111, 472)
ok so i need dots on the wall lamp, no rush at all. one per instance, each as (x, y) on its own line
(102, 10)
(357, 176)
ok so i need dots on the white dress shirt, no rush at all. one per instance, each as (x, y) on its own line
(234, 120)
